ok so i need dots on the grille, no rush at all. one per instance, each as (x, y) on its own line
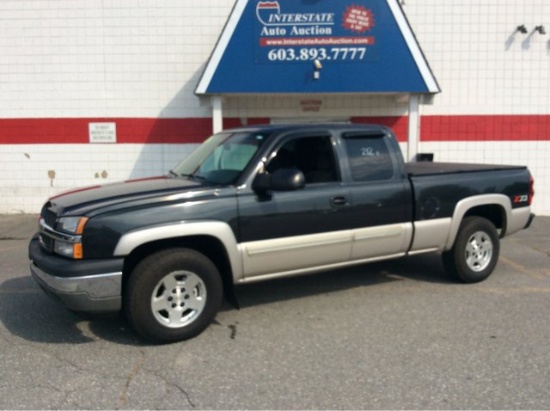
(46, 242)
(48, 215)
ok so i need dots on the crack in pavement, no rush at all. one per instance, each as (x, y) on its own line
(65, 394)
(123, 398)
(172, 384)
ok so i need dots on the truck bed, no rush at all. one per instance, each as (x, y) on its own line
(425, 168)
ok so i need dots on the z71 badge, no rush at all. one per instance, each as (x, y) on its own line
(521, 199)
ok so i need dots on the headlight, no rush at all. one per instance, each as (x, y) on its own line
(73, 225)
(70, 245)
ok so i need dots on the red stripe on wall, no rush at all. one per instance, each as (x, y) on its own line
(233, 122)
(128, 130)
(195, 130)
(399, 125)
(486, 128)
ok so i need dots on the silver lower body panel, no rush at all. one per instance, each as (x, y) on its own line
(94, 293)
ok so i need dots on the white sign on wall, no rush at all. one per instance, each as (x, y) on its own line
(102, 132)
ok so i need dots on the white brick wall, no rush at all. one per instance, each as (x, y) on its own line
(481, 63)
(290, 106)
(105, 58)
(143, 58)
(32, 173)
(484, 66)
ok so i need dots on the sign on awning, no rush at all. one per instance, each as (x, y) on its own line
(317, 46)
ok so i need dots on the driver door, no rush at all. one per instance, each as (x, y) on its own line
(294, 231)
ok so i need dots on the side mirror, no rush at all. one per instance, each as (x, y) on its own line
(284, 179)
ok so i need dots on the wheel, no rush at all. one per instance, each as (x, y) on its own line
(475, 252)
(173, 295)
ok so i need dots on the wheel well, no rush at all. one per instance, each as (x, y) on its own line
(492, 212)
(211, 247)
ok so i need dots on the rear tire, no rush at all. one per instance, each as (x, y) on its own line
(173, 295)
(475, 252)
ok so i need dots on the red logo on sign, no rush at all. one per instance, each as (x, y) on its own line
(358, 19)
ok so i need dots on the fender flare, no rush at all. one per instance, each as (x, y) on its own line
(465, 205)
(217, 229)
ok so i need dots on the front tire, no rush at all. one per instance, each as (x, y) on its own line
(475, 252)
(173, 295)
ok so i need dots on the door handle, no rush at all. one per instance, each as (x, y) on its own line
(339, 201)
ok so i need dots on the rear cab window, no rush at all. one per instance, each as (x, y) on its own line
(369, 157)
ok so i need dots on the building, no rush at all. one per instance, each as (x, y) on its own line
(97, 91)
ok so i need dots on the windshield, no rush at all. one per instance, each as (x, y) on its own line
(221, 158)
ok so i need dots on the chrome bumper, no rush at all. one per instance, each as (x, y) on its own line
(93, 293)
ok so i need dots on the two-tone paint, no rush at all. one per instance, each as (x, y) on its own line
(253, 237)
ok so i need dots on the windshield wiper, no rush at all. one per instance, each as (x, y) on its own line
(194, 177)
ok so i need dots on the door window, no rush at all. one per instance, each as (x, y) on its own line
(313, 156)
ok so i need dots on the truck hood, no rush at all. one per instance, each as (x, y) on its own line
(93, 199)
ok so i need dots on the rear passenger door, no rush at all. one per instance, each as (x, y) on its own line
(381, 201)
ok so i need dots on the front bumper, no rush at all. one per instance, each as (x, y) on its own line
(84, 285)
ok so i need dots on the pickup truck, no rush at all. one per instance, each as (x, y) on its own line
(263, 202)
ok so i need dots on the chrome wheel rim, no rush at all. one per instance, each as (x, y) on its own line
(178, 299)
(479, 251)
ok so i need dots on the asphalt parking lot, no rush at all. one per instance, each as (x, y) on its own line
(393, 335)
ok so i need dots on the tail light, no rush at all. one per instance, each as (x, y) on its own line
(531, 189)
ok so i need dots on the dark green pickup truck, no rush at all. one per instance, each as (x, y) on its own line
(263, 202)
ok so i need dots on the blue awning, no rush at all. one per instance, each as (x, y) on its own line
(317, 46)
